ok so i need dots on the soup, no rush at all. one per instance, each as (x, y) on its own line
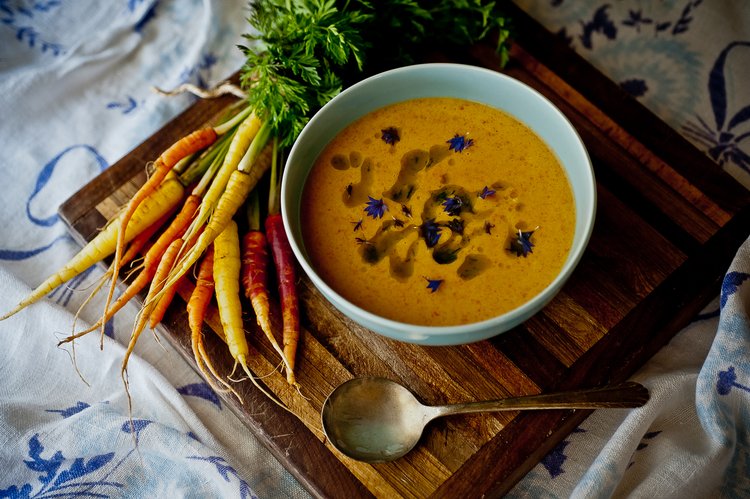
(437, 211)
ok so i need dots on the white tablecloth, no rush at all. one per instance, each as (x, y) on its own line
(75, 95)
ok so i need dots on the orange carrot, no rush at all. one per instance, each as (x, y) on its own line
(161, 303)
(165, 264)
(197, 307)
(161, 306)
(254, 275)
(186, 146)
(204, 289)
(168, 194)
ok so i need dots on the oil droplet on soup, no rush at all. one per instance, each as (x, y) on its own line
(462, 215)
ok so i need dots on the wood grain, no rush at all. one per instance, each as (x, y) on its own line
(668, 223)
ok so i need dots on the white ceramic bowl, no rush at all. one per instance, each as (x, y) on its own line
(441, 80)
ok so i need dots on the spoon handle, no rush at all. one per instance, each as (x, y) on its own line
(628, 394)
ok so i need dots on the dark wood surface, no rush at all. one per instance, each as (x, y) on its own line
(668, 224)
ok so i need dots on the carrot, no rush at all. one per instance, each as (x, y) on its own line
(242, 139)
(227, 277)
(284, 263)
(186, 146)
(140, 241)
(150, 263)
(160, 307)
(287, 280)
(134, 249)
(161, 303)
(227, 266)
(252, 167)
(167, 195)
(254, 275)
(165, 264)
(197, 307)
(153, 257)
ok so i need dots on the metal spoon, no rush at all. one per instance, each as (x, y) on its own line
(376, 420)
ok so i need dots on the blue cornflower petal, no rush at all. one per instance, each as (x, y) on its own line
(459, 142)
(433, 284)
(390, 135)
(430, 232)
(486, 192)
(521, 244)
(452, 206)
(375, 207)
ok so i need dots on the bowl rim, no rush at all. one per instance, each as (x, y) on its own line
(469, 332)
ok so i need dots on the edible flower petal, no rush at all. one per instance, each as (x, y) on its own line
(390, 135)
(357, 225)
(430, 232)
(456, 225)
(433, 284)
(486, 192)
(488, 227)
(459, 142)
(521, 244)
(452, 206)
(375, 207)
(406, 211)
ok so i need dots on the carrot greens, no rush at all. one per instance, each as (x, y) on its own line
(303, 52)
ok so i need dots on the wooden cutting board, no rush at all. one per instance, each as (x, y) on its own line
(669, 222)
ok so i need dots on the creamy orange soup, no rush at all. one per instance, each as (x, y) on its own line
(437, 211)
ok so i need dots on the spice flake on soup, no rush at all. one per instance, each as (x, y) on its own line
(438, 211)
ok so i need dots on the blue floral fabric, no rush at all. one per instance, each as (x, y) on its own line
(687, 62)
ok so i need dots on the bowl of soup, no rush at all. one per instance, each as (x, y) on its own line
(438, 204)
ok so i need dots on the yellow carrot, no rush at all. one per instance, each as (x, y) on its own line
(227, 281)
(242, 139)
(227, 266)
(168, 194)
(134, 249)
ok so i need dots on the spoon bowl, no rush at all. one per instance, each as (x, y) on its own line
(376, 420)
